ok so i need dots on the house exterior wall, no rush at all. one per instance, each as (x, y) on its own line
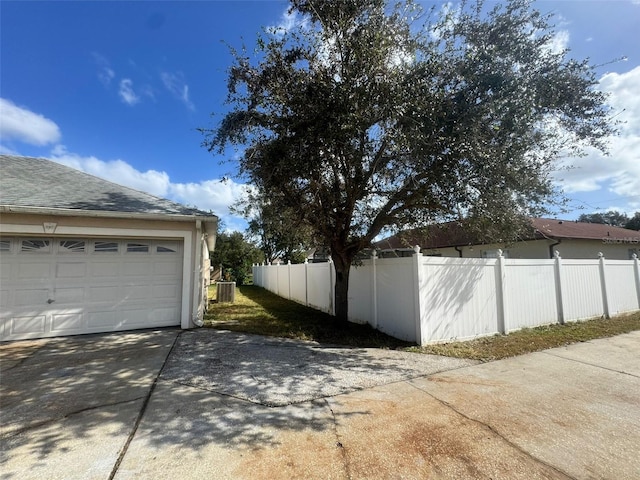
(541, 249)
(195, 268)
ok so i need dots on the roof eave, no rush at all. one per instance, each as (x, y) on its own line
(69, 212)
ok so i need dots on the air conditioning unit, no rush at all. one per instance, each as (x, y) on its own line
(226, 292)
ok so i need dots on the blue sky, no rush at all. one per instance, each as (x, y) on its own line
(118, 89)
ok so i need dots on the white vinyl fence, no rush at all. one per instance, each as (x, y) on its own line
(435, 299)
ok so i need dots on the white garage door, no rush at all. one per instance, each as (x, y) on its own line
(69, 286)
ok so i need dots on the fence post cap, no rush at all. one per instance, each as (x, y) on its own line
(306, 261)
(288, 262)
(634, 256)
(374, 253)
(499, 252)
(416, 249)
(600, 255)
(556, 254)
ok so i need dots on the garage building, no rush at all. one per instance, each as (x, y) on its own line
(79, 254)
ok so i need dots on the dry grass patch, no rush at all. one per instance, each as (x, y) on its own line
(534, 339)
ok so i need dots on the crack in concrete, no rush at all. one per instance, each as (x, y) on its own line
(143, 409)
(67, 415)
(494, 431)
(24, 359)
(343, 450)
(590, 364)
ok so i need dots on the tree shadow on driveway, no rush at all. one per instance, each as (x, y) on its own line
(72, 399)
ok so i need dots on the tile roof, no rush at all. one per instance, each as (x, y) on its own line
(453, 234)
(41, 183)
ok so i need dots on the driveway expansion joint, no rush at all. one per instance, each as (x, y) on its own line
(494, 431)
(590, 364)
(143, 409)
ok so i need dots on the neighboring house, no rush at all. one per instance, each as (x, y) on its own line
(79, 254)
(570, 238)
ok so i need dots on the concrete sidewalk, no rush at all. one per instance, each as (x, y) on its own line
(237, 406)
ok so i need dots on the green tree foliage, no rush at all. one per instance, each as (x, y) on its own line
(612, 217)
(634, 222)
(278, 229)
(236, 256)
(368, 117)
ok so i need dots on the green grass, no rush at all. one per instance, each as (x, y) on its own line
(260, 312)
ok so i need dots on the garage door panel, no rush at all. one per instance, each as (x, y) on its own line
(71, 270)
(166, 269)
(34, 270)
(164, 316)
(63, 286)
(63, 323)
(70, 295)
(104, 269)
(137, 269)
(31, 297)
(139, 292)
(169, 292)
(104, 294)
(27, 326)
(4, 299)
(101, 319)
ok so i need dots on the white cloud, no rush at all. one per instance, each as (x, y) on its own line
(117, 171)
(216, 195)
(209, 195)
(105, 72)
(176, 84)
(126, 92)
(289, 20)
(559, 42)
(620, 171)
(21, 124)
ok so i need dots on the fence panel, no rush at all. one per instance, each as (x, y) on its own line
(462, 298)
(459, 296)
(581, 289)
(396, 302)
(298, 286)
(319, 288)
(621, 286)
(361, 293)
(529, 293)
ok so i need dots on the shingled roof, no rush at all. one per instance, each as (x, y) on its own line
(453, 234)
(40, 183)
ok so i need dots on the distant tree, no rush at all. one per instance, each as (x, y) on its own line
(236, 256)
(634, 222)
(612, 217)
(367, 117)
(277, 228)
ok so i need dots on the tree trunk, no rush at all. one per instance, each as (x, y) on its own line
(342, 267)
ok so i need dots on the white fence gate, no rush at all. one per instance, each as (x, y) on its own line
(436, 299)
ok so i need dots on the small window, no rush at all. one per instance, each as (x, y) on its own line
(105, 246)
(72, 246)
(494, 253)
(35, 246)
(138, 247)
(5, 245)
(167, 247)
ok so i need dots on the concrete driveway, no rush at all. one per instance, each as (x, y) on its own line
(210, 404)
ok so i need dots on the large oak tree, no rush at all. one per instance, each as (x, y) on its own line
(367, 117)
